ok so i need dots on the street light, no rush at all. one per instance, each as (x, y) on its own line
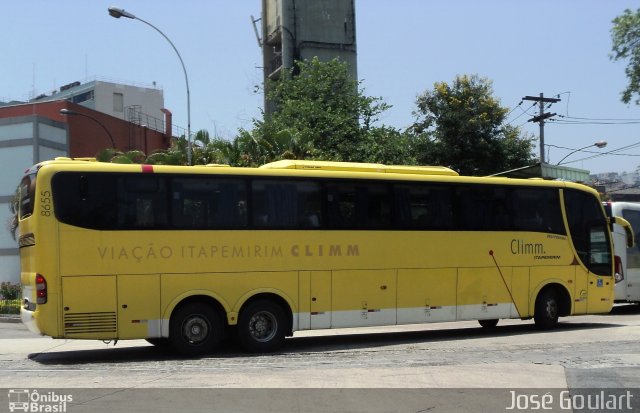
(599, 144)
(117, 13)
(69, 112)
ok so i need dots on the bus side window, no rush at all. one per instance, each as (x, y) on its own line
(286, 204)
(483, 208)
(419, 206)
(142, 202)
(358, 205)
(537, 209)
(86, 200)
(208, 203)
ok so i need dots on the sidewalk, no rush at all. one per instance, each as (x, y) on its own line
(10, 318)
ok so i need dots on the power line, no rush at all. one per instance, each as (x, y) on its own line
(524, 112)
(514, 108)
(599, 119)
(571, 120)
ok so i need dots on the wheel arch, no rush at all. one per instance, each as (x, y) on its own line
(202, 296)
(562, 292)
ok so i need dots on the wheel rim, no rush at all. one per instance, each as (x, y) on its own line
(552, 309)
(195, 329)
(263, 326)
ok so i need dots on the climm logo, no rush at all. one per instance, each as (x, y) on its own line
(521, 247)
(333, 250)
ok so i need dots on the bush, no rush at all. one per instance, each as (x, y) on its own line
(9, 298)
(9, 291)
(10, 306)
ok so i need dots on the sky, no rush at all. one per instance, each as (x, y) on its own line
(559, 48)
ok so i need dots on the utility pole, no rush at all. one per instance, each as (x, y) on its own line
(541, 117)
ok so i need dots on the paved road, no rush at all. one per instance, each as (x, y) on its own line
(588, 352)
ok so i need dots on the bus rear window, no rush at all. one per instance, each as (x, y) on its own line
(27, 195)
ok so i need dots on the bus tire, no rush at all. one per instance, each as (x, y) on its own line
(547, 310)
(489, 324)
(195, 329)
(261, 326)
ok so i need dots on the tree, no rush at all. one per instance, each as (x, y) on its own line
(625, 36)
(321, 114)
(462, 126)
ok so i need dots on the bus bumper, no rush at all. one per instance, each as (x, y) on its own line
(28, 319)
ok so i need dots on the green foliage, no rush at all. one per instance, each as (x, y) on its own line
(10, 306)
(462, 126)
(389, 146)
(175, 155)
(321, 114)
(10, 298)
(115, 156)
(9, 291)
(625, 36)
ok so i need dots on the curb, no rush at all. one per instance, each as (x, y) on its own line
(10, 318)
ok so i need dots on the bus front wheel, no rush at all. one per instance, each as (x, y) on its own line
(261, 326)
(547, 310)
(195, 329)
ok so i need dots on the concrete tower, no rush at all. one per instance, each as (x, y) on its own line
(303, 29)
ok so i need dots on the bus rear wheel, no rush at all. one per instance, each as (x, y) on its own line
(547, 310)
(261, 326)
(195, 329)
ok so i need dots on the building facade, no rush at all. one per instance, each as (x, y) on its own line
(137, 104)
(37, 131)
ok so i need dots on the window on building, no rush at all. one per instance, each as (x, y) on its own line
(82, 97)
(118, 102)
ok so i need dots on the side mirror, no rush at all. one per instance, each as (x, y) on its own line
(627, 229)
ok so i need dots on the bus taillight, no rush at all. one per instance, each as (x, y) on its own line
(619, 271)
(41, 289)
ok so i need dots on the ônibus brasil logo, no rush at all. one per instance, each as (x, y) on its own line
(25, 400)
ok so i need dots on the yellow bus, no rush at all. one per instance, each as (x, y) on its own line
(187, 256)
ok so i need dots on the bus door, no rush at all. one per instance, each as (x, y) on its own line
(592, 292)
(590, 237)
(600, 280)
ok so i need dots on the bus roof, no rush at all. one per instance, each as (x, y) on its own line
(360, 167)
